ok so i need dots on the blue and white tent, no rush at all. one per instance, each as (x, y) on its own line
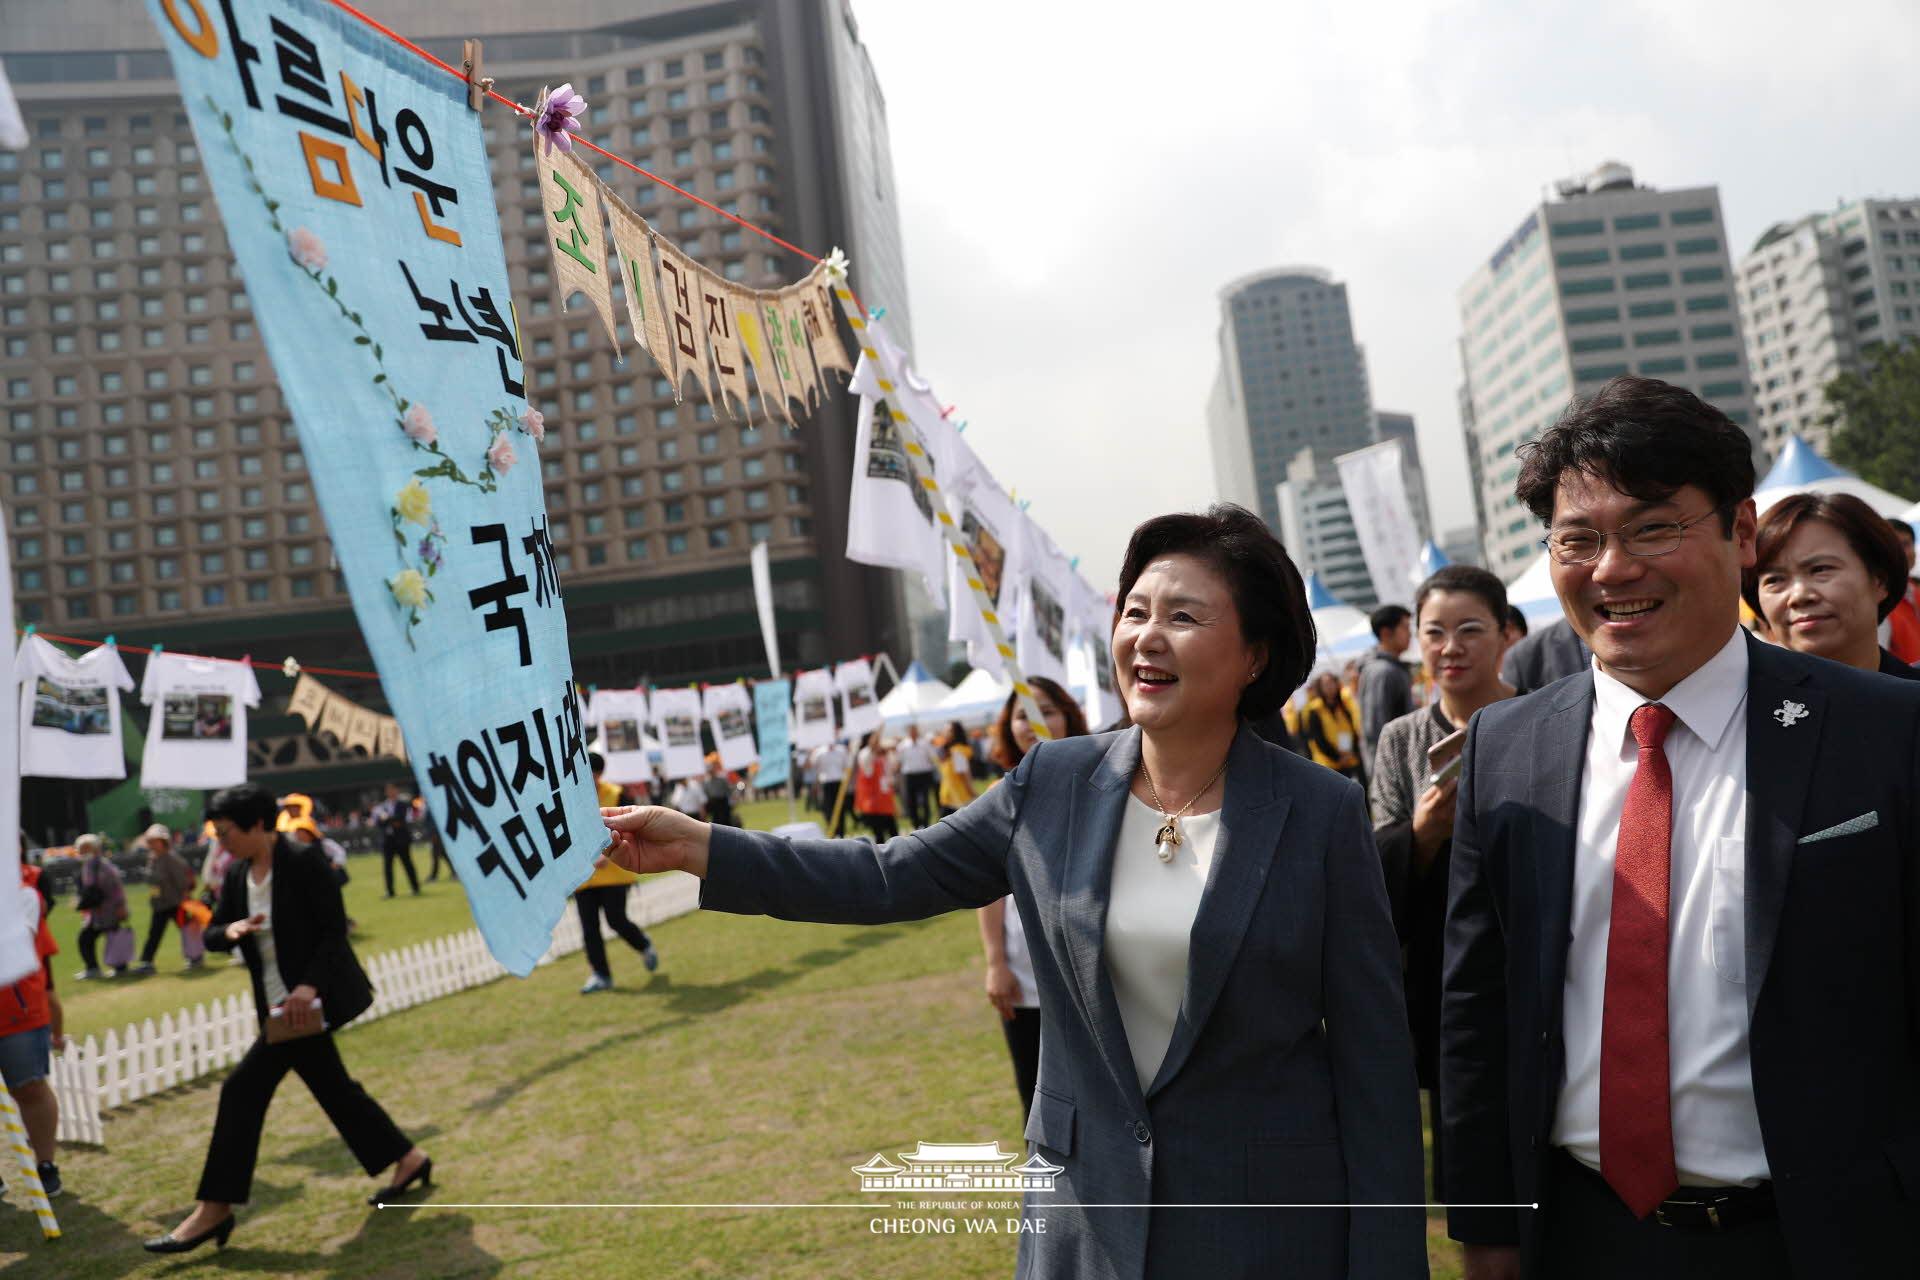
(1799, 469)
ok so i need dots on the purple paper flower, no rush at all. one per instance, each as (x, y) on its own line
(558, 120)
(430, 551)
(500, 455)
(306, 248)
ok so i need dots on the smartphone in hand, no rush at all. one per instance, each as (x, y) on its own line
(1443, 757)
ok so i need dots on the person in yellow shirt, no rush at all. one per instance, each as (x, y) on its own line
(956, 770)
(605, 893)
(1330, 726)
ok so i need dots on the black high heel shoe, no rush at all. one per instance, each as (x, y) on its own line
(423, 1175)
(168, 1243)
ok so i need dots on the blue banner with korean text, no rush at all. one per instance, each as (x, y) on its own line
(353, 182)
(772, 703)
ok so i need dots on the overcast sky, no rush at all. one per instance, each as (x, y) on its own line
(1078, 180)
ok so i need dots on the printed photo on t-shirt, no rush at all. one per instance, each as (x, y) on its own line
(988, 553)
(1102, 664)
(197, 717)
(73, 710)
(621, 735)
(887, 458)
(733, 723)
(680, 731)
(1050, 621)
(813, 709)
(858, 696)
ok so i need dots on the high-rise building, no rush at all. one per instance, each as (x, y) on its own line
(1605, 278)
(154, 481)
(1816, 296)
(1316, 525)
(1291, 378)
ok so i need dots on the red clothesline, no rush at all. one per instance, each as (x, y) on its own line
(261, 666)
(501, 98)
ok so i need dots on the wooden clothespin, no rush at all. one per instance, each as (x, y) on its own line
(477, 85)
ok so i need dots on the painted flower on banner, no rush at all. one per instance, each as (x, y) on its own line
(534, 423)
(409, 589)
(500, 456)
(306, 248)
(558, 119)
(414, 504)
(418, 424)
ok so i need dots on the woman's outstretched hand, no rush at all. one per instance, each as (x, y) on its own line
(648, 838)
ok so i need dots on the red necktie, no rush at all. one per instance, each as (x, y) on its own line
(1636, 1121)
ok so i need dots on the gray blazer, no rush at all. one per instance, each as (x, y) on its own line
(1289, 1079)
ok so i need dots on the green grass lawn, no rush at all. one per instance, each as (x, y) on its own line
(761, 1063)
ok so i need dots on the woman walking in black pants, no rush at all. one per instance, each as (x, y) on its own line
(280, 907)
(605, 894)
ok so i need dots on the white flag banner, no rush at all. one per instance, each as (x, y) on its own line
(18, 958)
(890, 518)
(813, 709)
(619, 714)
(1375, 480)
(762, 567)
(1090, 660)
(992, 527)
(860, 710)
(676, 719)
(1040, 636)
(13, 134)
(729, 712)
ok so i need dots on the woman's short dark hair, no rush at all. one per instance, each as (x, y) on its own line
(1516, 620)
(1469, 580)
(1267, 590)
(1005, 751)
(246, 806)
(1869, 533)
(1646, 438)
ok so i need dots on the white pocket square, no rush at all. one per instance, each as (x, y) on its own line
(1865, 822)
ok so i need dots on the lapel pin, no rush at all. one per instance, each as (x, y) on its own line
(1790, 713)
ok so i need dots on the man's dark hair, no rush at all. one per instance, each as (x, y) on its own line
(1516, 620)
(1902, 530)
(1646, 438)
(1387, 617)
(1468, 580)
(246, 806)
(596, 763)
(1267, 590)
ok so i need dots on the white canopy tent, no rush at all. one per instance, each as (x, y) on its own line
(977, 698)
(915, 700)
(1799, 469)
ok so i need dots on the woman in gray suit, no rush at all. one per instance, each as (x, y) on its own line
(1226, 1074)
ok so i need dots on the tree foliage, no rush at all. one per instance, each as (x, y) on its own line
(1875, 418)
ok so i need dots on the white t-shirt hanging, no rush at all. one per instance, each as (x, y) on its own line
(813, 709)
(676, 718)
(1090, 655)
(890, 519)
(70, 711)
(993, 529)
(1042, 624)
(729, 712)
(619, 714)
(860, 710)
(197, 733)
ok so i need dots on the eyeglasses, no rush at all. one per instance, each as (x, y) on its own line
(1652, 538)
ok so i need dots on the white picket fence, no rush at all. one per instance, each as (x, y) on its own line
(150, 1057)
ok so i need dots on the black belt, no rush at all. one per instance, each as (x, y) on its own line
(1717, 1208)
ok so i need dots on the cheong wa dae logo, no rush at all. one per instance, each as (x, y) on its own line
(957, 1166)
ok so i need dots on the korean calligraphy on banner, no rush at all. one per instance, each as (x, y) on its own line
(352, 724)
(688, 319)
(354, 187)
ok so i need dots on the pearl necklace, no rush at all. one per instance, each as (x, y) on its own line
(1167, 839)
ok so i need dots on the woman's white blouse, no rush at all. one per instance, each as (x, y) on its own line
(1150, 914)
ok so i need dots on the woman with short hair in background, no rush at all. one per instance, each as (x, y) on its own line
(1827, 571)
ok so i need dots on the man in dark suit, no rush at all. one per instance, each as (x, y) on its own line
(280, 906)
(1551, 653)
(1681, 1006)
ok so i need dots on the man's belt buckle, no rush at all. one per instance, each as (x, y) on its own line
(1708, 1209)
